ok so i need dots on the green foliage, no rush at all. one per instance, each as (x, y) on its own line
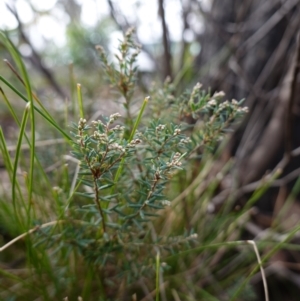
(150, 158)
(132, 195)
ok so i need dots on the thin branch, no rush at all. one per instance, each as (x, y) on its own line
(41, 143)
(263, 275)
(186, 9)
(30, 232)
(286, 7)
(96, 190)
(219, 199)
(95, 176)
(123, 26)
(289, 113)
(279, 53)
(53, 223)
(166, 41)
(35, 57)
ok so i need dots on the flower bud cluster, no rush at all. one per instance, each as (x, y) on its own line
(175, 160)
(166, 203)
(118, 128)
(193, 236)
(96, 122)
(219, 95)
(102, 54)
(243, 110)
(196, 89)
(160, 127)
(134, 142)
(117, 147)
(211, 104)
(185, 140)
(113, 117)
(177, 132)
(81, 124)
(100, 136)
(234, 105)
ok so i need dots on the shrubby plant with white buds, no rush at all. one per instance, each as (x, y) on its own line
(106, 221)
(127, 166)
(149, 159)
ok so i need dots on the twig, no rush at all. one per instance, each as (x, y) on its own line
(35, 58)
(263, 276)
(123, 26)
(40, 143)
(279, 53)
(289, 113)
(96, 190)
(30, 232)
(282, 269)
(95, 176)
(265, 29)
(186, 9)
(219, 199)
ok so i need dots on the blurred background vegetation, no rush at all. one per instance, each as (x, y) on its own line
(248, 49)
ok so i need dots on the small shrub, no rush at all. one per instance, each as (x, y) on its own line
(107, 226)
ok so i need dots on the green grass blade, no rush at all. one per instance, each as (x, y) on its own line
(50, 120)
(72, 89)
(6, 154)
(18, 60)
(8, 164)
(136, 124)
(23, 83)
(17, 156)
(80, 102)
(157, 268)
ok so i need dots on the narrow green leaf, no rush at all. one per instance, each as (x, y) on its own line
(85, 194)
(135, 206)
(17, 157)
(105, 186)
(80, 102)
